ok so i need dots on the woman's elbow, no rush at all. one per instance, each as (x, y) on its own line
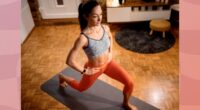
(69, 62)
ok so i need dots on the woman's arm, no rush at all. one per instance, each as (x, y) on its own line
(78, 45)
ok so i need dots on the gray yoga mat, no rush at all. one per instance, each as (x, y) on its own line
(100, 96)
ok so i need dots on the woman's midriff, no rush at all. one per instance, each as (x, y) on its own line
(99, 61)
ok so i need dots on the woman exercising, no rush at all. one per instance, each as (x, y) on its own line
(96, 41)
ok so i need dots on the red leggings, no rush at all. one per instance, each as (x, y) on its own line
(113, 70)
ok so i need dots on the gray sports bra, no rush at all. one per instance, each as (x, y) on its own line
(97, 47)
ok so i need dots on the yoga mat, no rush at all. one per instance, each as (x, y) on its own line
(100, 96)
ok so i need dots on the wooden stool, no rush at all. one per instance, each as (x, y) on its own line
(160, 25)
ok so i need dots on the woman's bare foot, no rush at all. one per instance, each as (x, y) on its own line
(129, 107)
(62, 82)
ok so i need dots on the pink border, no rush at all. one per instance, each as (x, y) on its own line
(10, 55)
(189, 55)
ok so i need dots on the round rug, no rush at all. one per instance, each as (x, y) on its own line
(140, 41)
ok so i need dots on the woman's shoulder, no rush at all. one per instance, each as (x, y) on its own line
(80, 41)
(82, 37)
(106, 27)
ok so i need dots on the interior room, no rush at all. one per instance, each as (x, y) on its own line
(145, 37)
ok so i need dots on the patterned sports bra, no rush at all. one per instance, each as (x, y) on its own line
(97, 47)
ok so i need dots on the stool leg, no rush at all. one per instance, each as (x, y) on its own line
(163, 34)
(151, 32)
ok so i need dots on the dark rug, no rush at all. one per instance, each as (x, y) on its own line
(101, 96)
(139, 40)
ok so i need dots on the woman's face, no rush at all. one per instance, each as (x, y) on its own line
(95, 17)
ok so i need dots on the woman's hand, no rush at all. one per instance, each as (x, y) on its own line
(92, 71)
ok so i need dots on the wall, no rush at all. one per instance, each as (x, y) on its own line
(37, 15)
(50, 10)
(26, 21)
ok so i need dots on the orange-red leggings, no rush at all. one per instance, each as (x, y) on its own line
(113, 70)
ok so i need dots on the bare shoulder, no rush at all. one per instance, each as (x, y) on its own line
(82, 38)
(81, 41)
(106, 27)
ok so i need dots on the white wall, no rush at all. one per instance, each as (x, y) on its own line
(114, 14)
(50, 10)
(26, 21)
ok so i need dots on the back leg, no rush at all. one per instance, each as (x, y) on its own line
(64, 80)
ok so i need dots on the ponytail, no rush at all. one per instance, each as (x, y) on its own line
(81, 17)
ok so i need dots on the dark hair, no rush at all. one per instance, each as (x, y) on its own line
(84, 10)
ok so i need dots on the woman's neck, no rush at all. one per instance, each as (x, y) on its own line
(94, 28)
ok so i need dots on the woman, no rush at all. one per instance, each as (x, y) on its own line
(96, 41)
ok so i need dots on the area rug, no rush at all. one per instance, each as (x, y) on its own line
(139, 40)
(101, 96)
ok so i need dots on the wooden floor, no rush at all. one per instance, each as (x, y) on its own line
(156, 76)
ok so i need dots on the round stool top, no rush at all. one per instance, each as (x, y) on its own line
(160, 25)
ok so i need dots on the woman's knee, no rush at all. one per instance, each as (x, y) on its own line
(82, 89)
(129, 85)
